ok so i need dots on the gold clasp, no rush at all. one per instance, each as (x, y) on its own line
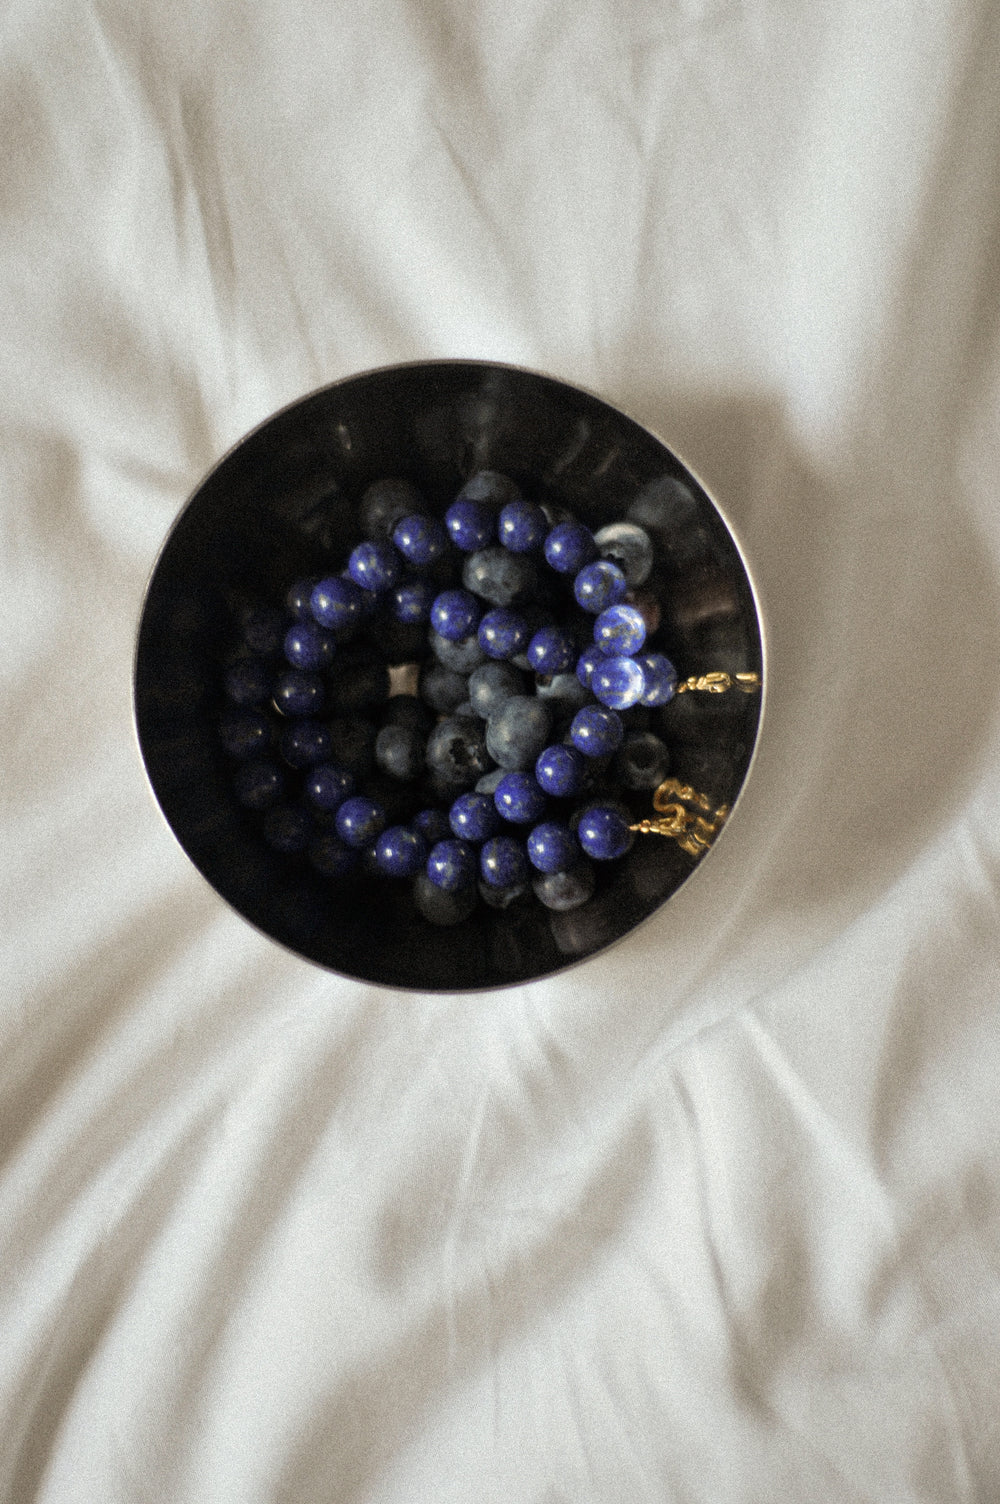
(694, 829)
(718, 681)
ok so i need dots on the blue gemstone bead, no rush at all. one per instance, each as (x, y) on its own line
(552, 847)
(331, 856)
(660, 678)
(603, 833)
(519, 799)
(308, 647)
(618, 683)
(522, 527)
(587, 662)
(569, 546)
(248, 682)
(473, 817)
(288, 828)
(599, 585)
(298, 693)
(359, 820)
(338, 604)
(595, 730)
(470, 524)
(400, 852)
(560, 771)
(503, 633)
(304, 743)
(327, 786)
(455, 614)
(420, 539)
(620, 631)
(299, 599)
(502, 862)
(259, 785)
(452, 865)
(411, 600)
(245, 735)
(552, 650)
(374, 566)
(433, 825)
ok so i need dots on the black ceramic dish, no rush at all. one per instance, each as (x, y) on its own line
(283, 504)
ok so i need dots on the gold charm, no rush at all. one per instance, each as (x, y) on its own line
(717, 682)
(695, 828)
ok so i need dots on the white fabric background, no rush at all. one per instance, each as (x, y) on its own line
(716, 1216)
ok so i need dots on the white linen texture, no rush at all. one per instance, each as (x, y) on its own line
(713, 1218)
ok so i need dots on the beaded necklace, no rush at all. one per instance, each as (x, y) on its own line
(506, 749)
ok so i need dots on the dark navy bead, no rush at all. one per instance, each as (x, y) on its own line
(560, 771)
(433, 825)
(569, 546)
(359, 820)
(587, 662)
(248, 682)
(620, 631)
(374, 566)
(411, 600)
(552, 847)
(288, 828)
(519, 799)
(599, 585)
(331, 857)
(522, 527)
(603, 833)
(338, 603)
(618, 683)
(452, 865)
(562, 891)
(420, 539)
(259, 785)
(400, 852)
(455, 614)
(552, 650)
(470, 524)
(503, 863)
(628, 546)
(503, 633)
(299, 599)
(298, 693)
(304, 743)
(308, 647)
(660, 676)
(473, 817)
(245, 735)
(596, 730)
(327, 786)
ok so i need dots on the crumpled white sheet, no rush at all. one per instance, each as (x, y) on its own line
(715, 1216)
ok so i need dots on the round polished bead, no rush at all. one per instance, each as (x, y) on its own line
(603, 833)
(360, 820)
(287, 828)
(628, 546)
(298, 598)
(502, 862)
(620, 631)
(522, 527)
(552, 650)
(259, 785)
(248, 682)
(471, 524)
(308, 647)
(420, 539)
(503, 633)
(473, 817)
(560, 770)
(327, 786)
(595, 730)
(455, 614)
(338, 604)
(432, 824)
(599, 585)
(245, 735)
(452, 864)
(618, 683)
(519, 799)
(562, 891)
(587, 662)
(374, 566)
(400, 851)
(552, 847)
(569, 546)
(331, 856)
(298, 693)
(411, 600)
(305, 742)
(660, 678)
